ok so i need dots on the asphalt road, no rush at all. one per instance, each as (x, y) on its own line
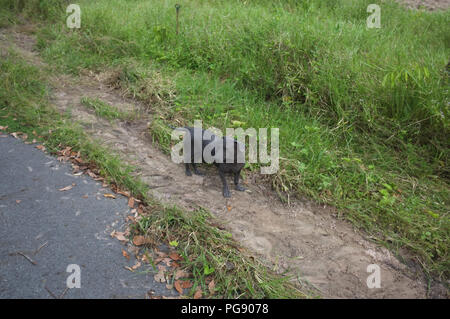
(68, 228)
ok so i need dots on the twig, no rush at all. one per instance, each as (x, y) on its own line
(51, 293)
(28, 258)
(40, 247)
(64, 292)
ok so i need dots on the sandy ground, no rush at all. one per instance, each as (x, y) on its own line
(324, 252)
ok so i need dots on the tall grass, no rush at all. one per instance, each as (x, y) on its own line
(363, 113)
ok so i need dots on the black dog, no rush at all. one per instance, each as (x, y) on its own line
(205, 138)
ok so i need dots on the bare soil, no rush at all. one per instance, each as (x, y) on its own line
(426, 4)
(323, 251)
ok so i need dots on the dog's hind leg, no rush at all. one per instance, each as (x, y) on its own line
(236, 182)
(188, 170)
(226, 191)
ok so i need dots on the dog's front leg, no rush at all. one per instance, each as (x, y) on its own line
(226, 191)
(236, 182)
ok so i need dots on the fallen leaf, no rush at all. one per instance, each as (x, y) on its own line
(175, 256)
(3, 127)
(169, 286)
(136, 266)
(85, 196)
(125, 254)
(109, 196)
(119, 235)
(40, 147)
(130, 218)
(175, 264)
(186, 284)
(18, 201)
(66, 188)
(198, 294)
(161, 267)
(229, 208)
(131, 202)
(212, 287)
(159, 277)
(178, 287)
(129, 268)
(139, 240)
(181, 274)
(126, 194)
(161, 253)
(167, 261)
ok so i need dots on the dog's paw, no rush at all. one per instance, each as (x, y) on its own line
(240, 188)
(226, 193)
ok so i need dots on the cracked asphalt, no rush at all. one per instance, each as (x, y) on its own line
(44, 230)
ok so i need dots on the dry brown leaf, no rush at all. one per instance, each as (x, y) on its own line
(229, 208)
(91, 174)
(125, 254)
(178, 287)
(136, 266)
(131, 202)
(139, 240)
(41, 147)
(66, 188)
(186, 284)
(126, 194)
(198, 294)
(181, 274)
(3, 127)
(18, 201)
(175, 256)
(167, 261)
(212, 287)
(159, 277)
(109, 196)
(161, 267)
(129, 268)
(119, 235)
(160, 253)
(175, 264)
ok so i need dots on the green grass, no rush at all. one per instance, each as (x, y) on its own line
(363, 114)
(207, 251)
(104, 109)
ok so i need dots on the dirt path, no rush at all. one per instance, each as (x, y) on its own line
(427, 4)
(322, 250)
